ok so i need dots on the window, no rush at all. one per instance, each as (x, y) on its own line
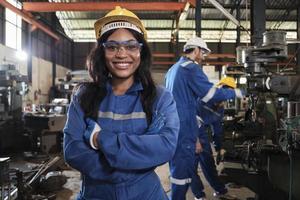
(13, 27)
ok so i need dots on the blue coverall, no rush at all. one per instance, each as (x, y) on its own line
(123, 167)
(186, 80)
(209, 116)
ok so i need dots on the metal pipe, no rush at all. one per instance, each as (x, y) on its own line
(293, 109)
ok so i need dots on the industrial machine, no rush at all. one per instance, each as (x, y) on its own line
(46, 124)
(13, 86)
(31, 183)
(7, 189)
(64, 87)
(27, 132)
(265, 143)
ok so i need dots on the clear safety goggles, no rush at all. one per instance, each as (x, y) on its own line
(204, 51)
(130, 46)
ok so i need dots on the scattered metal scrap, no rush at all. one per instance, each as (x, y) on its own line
(37, 184)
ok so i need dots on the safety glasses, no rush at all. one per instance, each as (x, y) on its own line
(130, 46)
(204, 51)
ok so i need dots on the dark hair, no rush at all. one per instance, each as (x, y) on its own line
(94, 92)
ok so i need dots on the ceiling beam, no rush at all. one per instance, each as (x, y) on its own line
(243, 6)
(169, 18)
(192, 2)
(96, 6)
(29, 18)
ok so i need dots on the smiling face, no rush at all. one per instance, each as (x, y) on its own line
(122, 61)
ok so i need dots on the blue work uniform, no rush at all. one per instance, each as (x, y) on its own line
(212, 117)
(186, 80)
(123, 167)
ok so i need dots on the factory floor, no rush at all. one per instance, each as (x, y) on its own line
(73, 186)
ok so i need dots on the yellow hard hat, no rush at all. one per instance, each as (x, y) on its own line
(119, 18)
(228, 81)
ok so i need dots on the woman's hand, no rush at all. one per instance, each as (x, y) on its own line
(91, 133)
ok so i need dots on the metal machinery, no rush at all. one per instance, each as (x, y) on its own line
(12, 86)
(65, 87)
(46, 124)
(266, 142)
(8, 191)
(30, 183)
(15, 138)
(56, 119)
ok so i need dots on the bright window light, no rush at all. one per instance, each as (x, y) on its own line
(21, 55)
(13, 27)
(11, 33)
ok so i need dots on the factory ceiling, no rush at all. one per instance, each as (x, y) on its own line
(162, 18)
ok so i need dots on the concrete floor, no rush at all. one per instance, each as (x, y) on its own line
(241, 193)
(73, 186)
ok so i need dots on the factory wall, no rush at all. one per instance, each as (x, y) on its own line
(42, 46)
(44, 50)
(9, 56)
(42, 80)
(81, 51)
(41, 74)
(41, 43)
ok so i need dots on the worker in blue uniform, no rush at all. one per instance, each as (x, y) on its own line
(186, 80)
(120, 126)
(210, 116)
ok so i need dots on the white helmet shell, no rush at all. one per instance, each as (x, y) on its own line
(196, 42)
